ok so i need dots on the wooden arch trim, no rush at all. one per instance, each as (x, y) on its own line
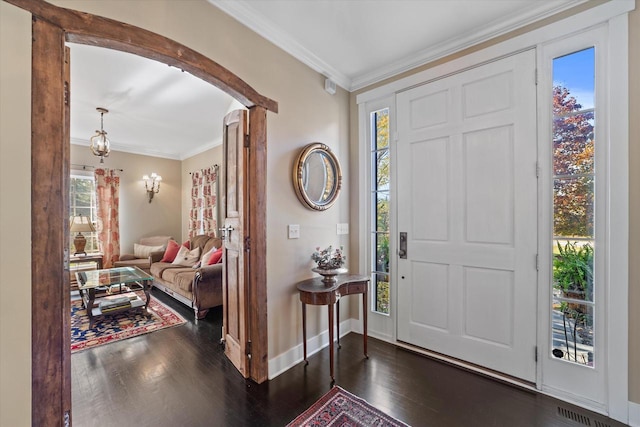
(50, 302)
(85, 28)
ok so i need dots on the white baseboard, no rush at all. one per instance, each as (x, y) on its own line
(634, 414)
(292, 357)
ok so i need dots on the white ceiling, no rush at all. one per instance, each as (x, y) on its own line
(154, 109)
(360, 42)
(161, 111)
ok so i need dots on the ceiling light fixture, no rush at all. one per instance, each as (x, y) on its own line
(100, 144)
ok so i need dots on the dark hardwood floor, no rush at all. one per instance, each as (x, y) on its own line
(180, 377)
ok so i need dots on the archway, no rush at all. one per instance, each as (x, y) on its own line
(52, 27)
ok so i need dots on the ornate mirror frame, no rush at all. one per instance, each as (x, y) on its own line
(330, 174)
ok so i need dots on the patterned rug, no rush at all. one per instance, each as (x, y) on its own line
(118, 326)
(339, 408)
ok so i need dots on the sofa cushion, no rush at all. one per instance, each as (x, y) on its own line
(180, 276)
(215, 257)
(211, 244)
(155, 240)
(186, 257)
(157, 268)
(199, 241)
(143, 251)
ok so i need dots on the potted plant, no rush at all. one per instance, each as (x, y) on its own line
(329, 263)
(573, 271)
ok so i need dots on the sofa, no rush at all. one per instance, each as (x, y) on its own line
(199, 288)
(143, 251)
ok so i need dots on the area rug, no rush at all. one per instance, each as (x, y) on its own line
(339, 408)
(118, 326)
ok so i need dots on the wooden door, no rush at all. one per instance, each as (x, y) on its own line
(235, 272)
(467, 199)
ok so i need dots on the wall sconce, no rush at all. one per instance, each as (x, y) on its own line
(153, 187)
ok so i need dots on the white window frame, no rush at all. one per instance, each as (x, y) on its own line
(380, 325)
(613, 14)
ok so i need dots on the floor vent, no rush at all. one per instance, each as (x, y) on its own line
(601, 424)
(574, 416)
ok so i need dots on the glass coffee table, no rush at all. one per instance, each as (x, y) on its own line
(112, 290)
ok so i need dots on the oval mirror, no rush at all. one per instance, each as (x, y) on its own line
(317, 177)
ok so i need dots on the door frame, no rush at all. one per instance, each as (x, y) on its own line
(614, 16)
(52, 27)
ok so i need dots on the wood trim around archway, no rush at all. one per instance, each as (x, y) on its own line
(52, 27)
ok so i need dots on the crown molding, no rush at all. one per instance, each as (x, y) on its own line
(471, 38)
(265, 28)
(244, 14)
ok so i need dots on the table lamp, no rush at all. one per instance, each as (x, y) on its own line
(78, 225)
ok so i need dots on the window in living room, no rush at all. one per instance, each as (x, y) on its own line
(82, 201)
(380, 209)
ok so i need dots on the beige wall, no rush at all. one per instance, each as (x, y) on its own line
(634, 166)
(138, 217)
(203, 160)
(15, 216)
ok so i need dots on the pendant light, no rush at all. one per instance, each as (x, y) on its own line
(100, 144)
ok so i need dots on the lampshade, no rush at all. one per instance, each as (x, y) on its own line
(80, 224)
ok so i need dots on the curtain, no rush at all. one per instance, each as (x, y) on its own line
(204, 202)
(108, 211)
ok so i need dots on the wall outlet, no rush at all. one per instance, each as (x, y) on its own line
(342, 228)
(294, 231)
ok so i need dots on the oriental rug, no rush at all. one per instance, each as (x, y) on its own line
(339, 408)
(118, 326)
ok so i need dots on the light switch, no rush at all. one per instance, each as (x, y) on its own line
(294, 231)
(342, 228)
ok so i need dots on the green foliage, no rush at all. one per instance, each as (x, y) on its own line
(573, 269)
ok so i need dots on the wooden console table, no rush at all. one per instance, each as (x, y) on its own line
(315, 292)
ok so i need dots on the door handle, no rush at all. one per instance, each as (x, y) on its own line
(402, 252)
(224, 231)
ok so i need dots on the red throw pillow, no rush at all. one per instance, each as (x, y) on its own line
(215, 257)
(172, 250)
(187, 244)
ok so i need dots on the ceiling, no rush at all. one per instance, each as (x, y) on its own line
(161, 111)
(154, 109)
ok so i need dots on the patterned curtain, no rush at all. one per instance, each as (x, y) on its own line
(204, 202)
(108, 210)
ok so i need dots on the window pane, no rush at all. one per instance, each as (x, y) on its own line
(382, 129)
(382, 293)
(574, 166)
(382, 170)
(573, 270)
(382, 252)
(573, 206)
(573, 332)
(382, 211)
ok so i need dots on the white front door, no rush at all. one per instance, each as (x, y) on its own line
(467, 201)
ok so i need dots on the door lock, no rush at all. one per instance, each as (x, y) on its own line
(402, 252)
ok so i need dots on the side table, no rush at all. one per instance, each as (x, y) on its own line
(315, 292)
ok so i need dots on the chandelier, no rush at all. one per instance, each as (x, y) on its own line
(100, 145)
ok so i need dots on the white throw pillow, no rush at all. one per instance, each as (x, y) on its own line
(206, 256)
(143, 251)
(186, 257)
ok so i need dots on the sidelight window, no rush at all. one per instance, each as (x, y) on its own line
(574, 166)
(380, 209)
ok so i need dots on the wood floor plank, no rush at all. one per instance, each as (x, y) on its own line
(180, 377)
